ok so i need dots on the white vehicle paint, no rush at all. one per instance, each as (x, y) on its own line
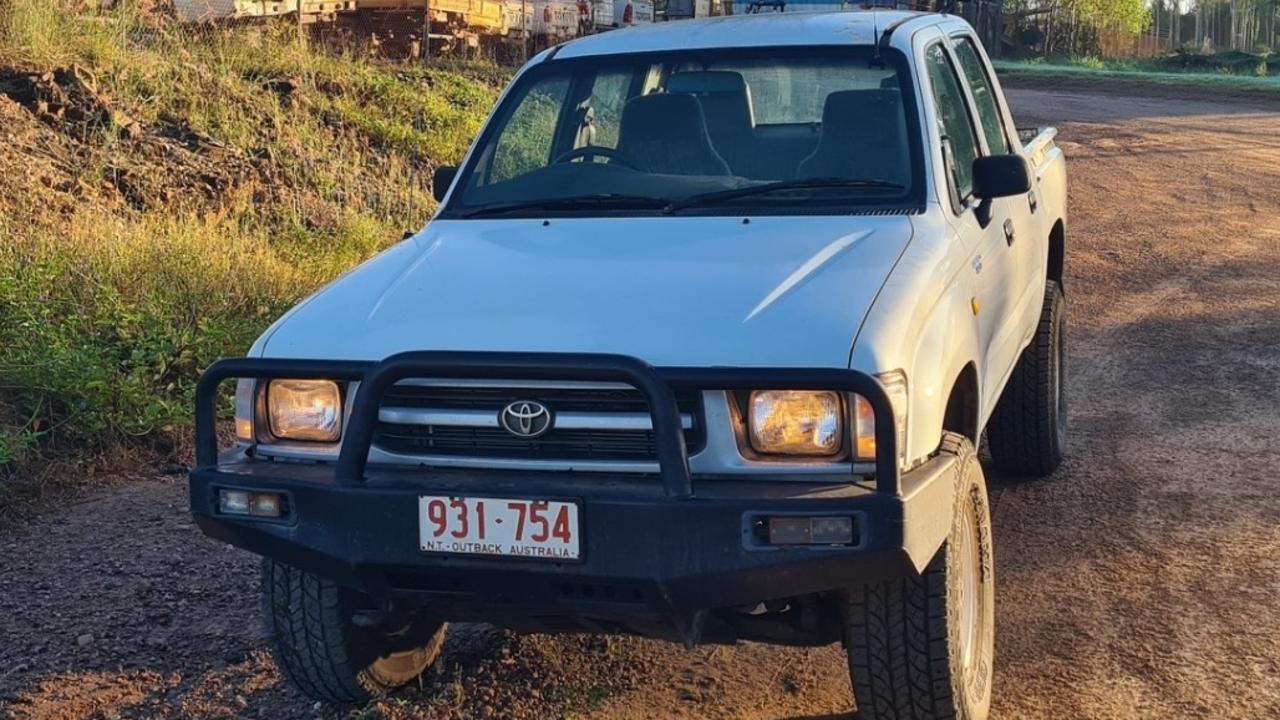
(601, 13)
(736, 299)
(560, 20)
(925, 294)
(632, 12)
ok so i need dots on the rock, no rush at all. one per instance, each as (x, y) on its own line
(284, 86)
(130, 127)
(84, 639)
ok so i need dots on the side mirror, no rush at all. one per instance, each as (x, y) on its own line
(997, 176)
(441, 181)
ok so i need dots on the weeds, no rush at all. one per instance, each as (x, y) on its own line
(13, 445)
(721, 654)
(457, 688)
(264, 168)
(579, 699)
(366, 713)
(1089, 62)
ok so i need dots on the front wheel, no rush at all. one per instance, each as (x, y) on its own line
(324, 654)
(921, 648)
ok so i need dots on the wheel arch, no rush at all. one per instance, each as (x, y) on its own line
(944, 353)
(1057, 252)
(963, 402)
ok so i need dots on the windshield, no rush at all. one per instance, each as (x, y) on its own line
(771, 129)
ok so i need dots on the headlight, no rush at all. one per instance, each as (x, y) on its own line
(864, 420)
(796, 422)
(305, 410)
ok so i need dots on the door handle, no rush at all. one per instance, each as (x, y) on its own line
(1031, 200)
(1009, 234)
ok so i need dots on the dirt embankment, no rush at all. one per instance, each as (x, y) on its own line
(1140, 581)
(60, 125)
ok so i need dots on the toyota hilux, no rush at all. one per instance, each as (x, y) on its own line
(698, 346)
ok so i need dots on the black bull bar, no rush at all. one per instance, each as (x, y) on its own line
(903, 516)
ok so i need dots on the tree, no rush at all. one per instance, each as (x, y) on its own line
(1246, 25)
(1082, 27)
(1074, 26)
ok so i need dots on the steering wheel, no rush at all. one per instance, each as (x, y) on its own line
(590, 151)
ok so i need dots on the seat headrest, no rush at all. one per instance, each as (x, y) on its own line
(863, 134)
(848, 106)
(662, 115)
(725, 98)
(667, 134)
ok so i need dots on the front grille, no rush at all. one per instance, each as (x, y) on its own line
(557, 444)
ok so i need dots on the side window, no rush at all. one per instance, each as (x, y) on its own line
(984, 97)
(604, 107)
(526, 140)
(960, 145)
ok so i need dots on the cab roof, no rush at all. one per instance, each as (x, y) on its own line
(848, 27)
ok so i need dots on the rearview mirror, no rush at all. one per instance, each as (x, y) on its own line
(441, 181)
(997, 176)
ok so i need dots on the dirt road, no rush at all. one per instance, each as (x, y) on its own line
(1140, 581)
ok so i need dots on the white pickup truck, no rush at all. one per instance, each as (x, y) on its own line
(698, 346)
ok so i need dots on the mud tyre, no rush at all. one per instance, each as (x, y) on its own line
(324, 654)
(921, 648)
(1028, 430)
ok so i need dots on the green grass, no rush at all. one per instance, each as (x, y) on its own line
(1263, 63)
(1152, 73)
(109, 310)
(577, 700)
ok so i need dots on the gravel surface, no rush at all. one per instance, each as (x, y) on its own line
(1142, 580)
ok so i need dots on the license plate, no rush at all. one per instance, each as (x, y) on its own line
(534, 529)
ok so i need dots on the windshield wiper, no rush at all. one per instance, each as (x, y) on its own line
(819, 182)
(597, 200)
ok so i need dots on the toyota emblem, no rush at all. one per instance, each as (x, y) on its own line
(525, 418)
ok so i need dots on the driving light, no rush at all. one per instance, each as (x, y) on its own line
(811, 531)
(795, 422)
(265, 504)
(305, 410)
(233, 502)
(252, 503)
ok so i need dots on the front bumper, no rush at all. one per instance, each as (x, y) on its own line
(658, 552)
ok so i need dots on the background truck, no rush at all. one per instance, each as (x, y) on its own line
(395, 25)
(698, 347)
